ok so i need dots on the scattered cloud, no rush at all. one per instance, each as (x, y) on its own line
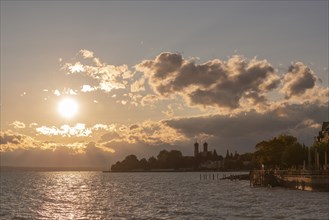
(109, 77)
(22, 150)
(169, 112)
(18, 124)
(110, 136)
(297, 80)
(138, 85)
(57, 93)
(148, 132)
(31, 125)
(65, 91)
(10, 141)
(86, 53)
(87, 88)
(216, 83)
(104, 127)
(79, 130)
(75, 68)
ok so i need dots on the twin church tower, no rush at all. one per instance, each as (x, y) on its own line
(196, 149)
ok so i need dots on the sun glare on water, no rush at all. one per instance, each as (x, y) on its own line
(68, 108)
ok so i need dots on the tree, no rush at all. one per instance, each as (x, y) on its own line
(163, 159)
(144, 164)
(130, 163)
(227, 155)
(215, 155)
(293, 155)
(175, 159)
(283, 151)
(153, 163)
(321, 147)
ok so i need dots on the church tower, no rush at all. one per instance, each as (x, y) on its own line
(205, 147)
(196, 149)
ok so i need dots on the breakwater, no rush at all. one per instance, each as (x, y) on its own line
(308, 180)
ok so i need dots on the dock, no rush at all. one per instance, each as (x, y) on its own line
(307, 180)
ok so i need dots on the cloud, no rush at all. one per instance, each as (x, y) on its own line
(109, 77)
(93, 147)
(169, 112)
(103, 127)
(150, 99)
(87, 88)
(244, 130)
(75, 68)
(65, 91)
(215, 83)
(57, 93)
(20, 150)
(229, 86)
(33, 125)
(86, 53)
(12, 140)
(297, 80)
(110, 136)
(79, 130)
(138, 85)
(148, 132)
(18, 124)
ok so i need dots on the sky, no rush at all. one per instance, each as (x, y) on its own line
(86, 83)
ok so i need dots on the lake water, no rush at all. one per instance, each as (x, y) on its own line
(96, 195)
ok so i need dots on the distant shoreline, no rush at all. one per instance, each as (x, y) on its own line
(48, 169)
(99, 169)
(175, 171)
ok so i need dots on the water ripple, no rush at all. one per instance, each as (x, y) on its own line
(95, 195)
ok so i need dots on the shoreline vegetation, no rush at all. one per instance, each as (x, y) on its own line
(280, 153)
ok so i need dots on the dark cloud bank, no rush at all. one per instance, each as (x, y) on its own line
(243, 131)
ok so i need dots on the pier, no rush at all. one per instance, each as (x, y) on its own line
(308, 180)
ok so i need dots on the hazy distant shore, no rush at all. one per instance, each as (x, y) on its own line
(13, 168)
(49, 169)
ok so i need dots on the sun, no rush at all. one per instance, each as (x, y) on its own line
(68, 107)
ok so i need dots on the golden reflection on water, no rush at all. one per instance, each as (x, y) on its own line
(67, 195)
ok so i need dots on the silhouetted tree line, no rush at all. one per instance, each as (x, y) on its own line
(281, 152)
(174, 160)
(165, 160)
(285, 152)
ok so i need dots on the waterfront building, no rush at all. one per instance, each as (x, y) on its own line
(207, 159)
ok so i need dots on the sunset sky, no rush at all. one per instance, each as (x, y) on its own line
(85, 83)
